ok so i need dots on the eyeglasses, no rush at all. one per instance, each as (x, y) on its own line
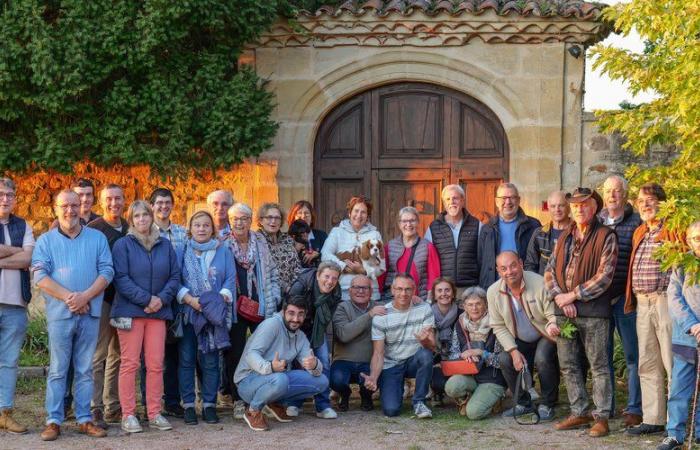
(272, 218)
(68, 206)
(360, 288)
(508, 197)
(408, 222)
(240, 219)
(8, 195)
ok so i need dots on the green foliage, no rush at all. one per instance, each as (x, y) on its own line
(567, 329)
(668, 66)
(35, 350)
(131, 81)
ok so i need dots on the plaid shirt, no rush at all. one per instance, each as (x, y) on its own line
(647, 276)
(176, 234)
(589, 289)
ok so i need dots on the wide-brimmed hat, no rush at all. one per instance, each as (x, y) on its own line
(581, 194)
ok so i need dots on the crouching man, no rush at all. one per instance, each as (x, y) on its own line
(264, 376)
(402, 344)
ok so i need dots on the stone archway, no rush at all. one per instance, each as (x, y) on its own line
(400, 144)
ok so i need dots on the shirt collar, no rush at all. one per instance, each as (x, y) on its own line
(62, 232)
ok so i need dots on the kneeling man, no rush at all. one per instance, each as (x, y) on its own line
(402, 344)
(264, 376)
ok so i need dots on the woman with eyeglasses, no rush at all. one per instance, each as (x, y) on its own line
(281, 245)
(473, 339)
(409, 247)
(257, 279)
(348, 235)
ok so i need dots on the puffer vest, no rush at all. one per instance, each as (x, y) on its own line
(459, 263)
(420, 260)
(624, 231)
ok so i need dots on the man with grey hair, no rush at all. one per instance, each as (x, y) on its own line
(218, 203)
(522, 317)
(455, 235)
(16, 246)
(511, 229)
(619, 215)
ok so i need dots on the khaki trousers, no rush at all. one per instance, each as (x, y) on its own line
(105, 366)
(654, 330)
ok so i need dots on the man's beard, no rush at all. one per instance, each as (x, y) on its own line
(286, 324)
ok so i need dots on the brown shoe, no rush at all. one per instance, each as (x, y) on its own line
(255, 420)
(91, 430)
(599, 428)
(9, 424)
(51, 432)
(631, 420)
(98, 418)
(278, 412)
(573, 422)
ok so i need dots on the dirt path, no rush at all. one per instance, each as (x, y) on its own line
(354, 429)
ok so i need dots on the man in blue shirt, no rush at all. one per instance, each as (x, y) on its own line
(510, 230)
(72, 266)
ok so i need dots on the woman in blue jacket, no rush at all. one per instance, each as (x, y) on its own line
(146, 278)
(207, 273)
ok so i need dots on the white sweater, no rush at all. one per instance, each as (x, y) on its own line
(344, 238)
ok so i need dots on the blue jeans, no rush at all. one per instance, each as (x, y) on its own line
(682, 388)
(288, 387)
(418, 366)
(13, 327)
(322, 400)
(345, 372)
(626, 325)
(72, 339)
(188, 356)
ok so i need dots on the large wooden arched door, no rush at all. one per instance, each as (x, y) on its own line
(400, 144)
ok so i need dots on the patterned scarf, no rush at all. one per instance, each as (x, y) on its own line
(197, 280)
(479, 330)
(248, 259)
(445, 323)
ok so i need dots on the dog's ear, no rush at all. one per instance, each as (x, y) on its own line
(364, 251)
(380, 246)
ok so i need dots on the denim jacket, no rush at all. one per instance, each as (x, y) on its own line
(684, 307)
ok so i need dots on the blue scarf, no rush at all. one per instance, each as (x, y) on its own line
(197, 280)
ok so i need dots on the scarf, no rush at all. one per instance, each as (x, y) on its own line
(445, 323)
(322, 316)
(479, 330)
(246, 260)
(146, 240)
(197, 281)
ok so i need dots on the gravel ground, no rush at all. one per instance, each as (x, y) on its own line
(354, 429)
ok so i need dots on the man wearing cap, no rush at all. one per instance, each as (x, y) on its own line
(578, 278)
(646, 293)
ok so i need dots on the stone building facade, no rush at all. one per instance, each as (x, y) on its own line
(395, 99)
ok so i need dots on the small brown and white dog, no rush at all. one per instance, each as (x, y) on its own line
(371, 254)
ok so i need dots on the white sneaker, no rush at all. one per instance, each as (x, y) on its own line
(422, 412)
(130, 424)
(292, 411)
(239, 409)
(160, 423)
(327, 413)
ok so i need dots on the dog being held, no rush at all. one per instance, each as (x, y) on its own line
(370, 254)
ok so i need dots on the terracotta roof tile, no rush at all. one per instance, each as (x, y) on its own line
(576, 9)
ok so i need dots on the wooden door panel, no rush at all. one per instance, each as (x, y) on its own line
(478, 136)
(410, 124)
(481, 196)
(332, 198)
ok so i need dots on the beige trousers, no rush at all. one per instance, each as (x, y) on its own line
(655, 356)
(105, 366)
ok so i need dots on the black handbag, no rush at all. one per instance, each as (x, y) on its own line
(176, 328)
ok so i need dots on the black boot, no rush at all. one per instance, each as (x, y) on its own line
(344, 402)
(366, 403)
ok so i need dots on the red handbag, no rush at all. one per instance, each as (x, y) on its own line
(248, 308)
(458, 367)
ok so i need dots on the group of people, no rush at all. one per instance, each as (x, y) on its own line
(267, 319)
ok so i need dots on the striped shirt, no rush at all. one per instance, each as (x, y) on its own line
(398, 329)
(647, 276)
(176, 234)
